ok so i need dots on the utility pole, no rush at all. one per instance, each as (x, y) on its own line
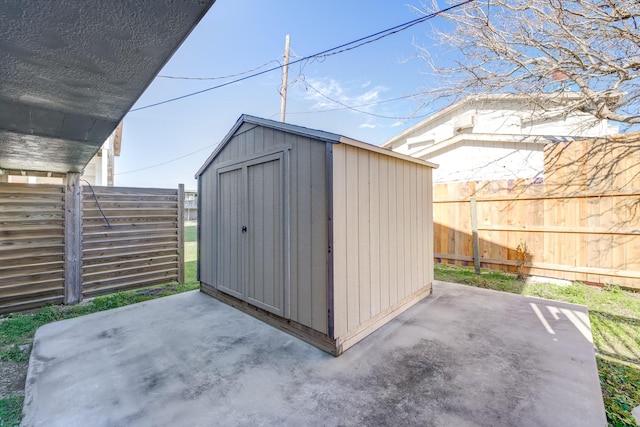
(285, 81)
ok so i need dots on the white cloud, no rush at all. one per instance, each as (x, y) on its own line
(396, 124)
(367, 126)
(371, 95)
(329, 93)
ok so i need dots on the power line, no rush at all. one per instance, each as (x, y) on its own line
(221, 77)
(168, 161)
(345, 107)
(369, 104)
(323, 54)
(356, 109)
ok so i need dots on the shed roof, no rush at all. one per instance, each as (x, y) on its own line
(307, 132)
(70, 71)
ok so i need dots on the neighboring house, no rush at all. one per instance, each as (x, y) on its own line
(99, 170)
(495, 137)
(190, 205)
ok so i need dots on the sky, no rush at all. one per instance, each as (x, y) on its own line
(165, 145)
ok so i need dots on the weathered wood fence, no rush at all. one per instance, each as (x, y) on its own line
(581, 222)
(59, 244)
(31, 245)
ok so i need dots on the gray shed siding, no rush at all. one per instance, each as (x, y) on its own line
(304, 218)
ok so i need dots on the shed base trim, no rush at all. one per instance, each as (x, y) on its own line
(311, 336)
(298, 330)
(359, 333)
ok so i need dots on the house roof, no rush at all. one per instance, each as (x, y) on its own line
(70, 71)
(536, 142)
(307, 132)
(470, 99)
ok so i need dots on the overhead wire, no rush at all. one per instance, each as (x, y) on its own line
(368, 104)
(345, 107)
(168, 161)
(220, 77)
(304, 60)
(348, 107)
(320, 55)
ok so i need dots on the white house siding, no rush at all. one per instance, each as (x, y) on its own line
(512, 118)
(474, 163)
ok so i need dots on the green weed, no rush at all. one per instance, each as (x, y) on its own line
(11, 411)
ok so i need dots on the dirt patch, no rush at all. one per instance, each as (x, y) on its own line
(12, 378)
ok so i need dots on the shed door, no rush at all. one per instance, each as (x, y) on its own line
(250, 230)
(264, 208)
(230, 259)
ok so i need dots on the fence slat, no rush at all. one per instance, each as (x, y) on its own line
(143, 247)
(581, 222)
(31, 245)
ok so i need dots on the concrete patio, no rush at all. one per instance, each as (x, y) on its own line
(464, 356)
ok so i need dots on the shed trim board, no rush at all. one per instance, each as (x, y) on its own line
(305, 333)
(322, 236)
(286, 274)
(386, 152)
(298, 130)
(247, 158)
(330, 316)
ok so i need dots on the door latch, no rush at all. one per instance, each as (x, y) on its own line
(244, 228)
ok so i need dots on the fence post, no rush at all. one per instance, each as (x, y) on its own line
(72, 239)
(474, 236)
(181, 233)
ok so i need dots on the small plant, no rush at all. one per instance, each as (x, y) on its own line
(11, 411)
(523, 256)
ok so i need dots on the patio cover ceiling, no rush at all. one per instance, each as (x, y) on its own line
(70, 70)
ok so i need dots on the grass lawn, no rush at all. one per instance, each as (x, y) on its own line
(11, 411)
(190, 244)
(615, 325)
(190, 231)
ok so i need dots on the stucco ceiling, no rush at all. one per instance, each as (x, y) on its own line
(70, 70)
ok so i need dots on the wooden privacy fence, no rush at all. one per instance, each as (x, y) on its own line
(581, 222)
(141, 246)
(31, 245)
(59, 244)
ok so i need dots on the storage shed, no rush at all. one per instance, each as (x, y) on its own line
(323, 236)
